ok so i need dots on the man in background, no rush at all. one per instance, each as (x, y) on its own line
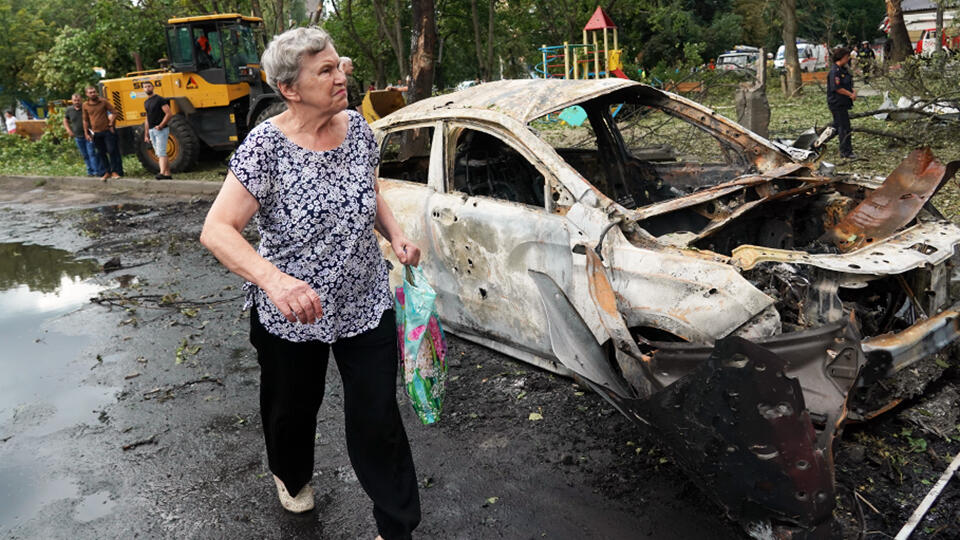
(865, 59)
(98, 118)
(354, 97)
(73, 123)
(156, 128)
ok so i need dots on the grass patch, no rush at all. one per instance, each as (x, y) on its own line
(51, 156)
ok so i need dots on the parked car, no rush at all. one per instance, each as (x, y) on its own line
(729, 290)
(463, 85)
(812, 57)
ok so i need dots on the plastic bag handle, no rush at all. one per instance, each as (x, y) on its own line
(411, 273)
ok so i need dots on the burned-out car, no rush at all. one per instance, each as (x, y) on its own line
(731, 291)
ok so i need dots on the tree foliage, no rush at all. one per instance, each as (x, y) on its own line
(49, 47)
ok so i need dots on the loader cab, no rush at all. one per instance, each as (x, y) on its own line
(220, 48)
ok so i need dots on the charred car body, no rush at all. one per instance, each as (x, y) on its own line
(729, 290)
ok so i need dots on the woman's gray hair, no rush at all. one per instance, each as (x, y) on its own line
(282, 60)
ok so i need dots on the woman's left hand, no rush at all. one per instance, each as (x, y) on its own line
(406, 251)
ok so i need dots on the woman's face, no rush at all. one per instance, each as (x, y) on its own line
(321, 83)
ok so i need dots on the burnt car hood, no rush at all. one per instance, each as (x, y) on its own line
(881, 235)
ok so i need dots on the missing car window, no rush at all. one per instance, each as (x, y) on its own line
(405, 155)
(485, 165)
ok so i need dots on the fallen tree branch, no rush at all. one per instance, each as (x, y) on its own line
(879, 133)
(866, 502)
(913, 110)
(169, 389)
(158, 300)
(151, 440)
(928, 501)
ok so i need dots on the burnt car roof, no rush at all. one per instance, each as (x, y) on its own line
(521, 99)
(524, 100)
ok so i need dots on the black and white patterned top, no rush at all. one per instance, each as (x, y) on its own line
(316, 218)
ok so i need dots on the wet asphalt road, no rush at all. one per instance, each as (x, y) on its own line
(136, 416)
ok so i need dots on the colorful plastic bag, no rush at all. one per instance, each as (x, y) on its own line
(423, 349)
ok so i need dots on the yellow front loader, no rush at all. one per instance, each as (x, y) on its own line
(216, 89)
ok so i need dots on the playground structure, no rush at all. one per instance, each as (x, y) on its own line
(577, 59)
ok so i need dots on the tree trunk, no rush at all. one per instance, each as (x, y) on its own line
(255, 7)
(438, 74)
(898, 32)
(490, 26)
(423, 48)
(938, 39)
(280, 25)
(474, 15)
(788, 10)
(381, 72)
(316, 15)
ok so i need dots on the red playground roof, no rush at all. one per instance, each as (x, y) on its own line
(599, 20)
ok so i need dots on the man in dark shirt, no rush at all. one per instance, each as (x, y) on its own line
(156, 129)
(98, 118)
(840, 97)
(73, 123)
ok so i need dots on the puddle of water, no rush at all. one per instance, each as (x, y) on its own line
(94, 506)
(41, 387)
(26, 491)
(40, 268)
(37, 284)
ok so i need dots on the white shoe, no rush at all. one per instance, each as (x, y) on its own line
(303, 502)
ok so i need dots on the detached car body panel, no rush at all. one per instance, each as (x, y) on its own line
(667, 257)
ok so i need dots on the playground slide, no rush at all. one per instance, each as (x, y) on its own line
(619, 73)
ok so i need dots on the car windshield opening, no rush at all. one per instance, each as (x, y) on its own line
(636, 149)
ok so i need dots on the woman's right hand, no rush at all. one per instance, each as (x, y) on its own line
(294, 298)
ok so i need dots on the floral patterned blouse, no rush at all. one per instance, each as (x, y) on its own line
(316, 217)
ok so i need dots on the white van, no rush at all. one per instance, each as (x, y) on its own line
(812, 57)
(740, 58)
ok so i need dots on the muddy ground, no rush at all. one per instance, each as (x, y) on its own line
(174, 448)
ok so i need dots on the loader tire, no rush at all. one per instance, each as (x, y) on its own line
(272, 110)
(183, 147)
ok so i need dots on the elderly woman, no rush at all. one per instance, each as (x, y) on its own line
(318, 280)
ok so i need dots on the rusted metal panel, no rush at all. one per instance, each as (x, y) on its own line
(893, 204)
(824, 359)
(573, 342)
(633, 363)
(921, 340)
(713, 192)
(740, 428)
(929, 243)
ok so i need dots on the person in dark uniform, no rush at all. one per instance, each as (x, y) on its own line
(840, 97)
(865, 59)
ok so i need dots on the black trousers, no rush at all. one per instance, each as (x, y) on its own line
(291, 391)
(109, 149)
(841, 122)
